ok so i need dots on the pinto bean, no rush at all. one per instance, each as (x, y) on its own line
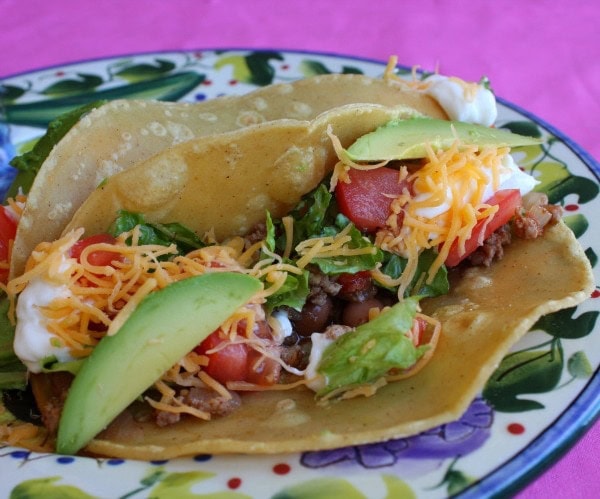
(313, 318)
(357, 313)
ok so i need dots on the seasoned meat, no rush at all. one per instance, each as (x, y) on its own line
(258, 233)
(321, 287)
(50, 392)
(492, 248)
(536, 214)
(296, 355)
(203, 399)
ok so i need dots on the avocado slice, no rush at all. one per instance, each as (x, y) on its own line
(165, 326)
(407, 139)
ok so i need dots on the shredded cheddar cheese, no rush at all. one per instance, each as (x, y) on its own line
(329, 246)
(451, 182)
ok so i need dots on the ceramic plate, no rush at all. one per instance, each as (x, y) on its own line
(548, 394)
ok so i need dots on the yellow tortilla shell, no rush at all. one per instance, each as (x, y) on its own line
(226, 182)
(486, 312)
(120, 134)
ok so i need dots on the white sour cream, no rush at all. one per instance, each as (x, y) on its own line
(281, 325)
(33, 342)
(461, 102)
(316, 381)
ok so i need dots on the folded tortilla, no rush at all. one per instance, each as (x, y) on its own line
(122, 133)
(477, 333)
(224, 183)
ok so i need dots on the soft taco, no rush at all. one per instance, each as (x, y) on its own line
(325, 286)
(105, 138)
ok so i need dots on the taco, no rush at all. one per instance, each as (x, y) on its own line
(336, 277)
(108, 137)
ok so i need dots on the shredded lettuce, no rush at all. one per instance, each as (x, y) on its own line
(294, 291)
(317, 215)
(394, 265)
(353, 263)
(364, 355)
(311, 215)
(154, 233)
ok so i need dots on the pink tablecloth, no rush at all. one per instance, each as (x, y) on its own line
(543, 56)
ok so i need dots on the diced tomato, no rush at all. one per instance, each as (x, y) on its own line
(419, 326)
(353, 283)
(229, 363)
(263, 372)
(237, 361)
(366, 199)
(97, 258)
(8, 230)
(507, 200)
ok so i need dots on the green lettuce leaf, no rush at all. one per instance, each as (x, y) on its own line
(353, 263)
(293, 293)
(364, 355)
(394, 265)
(154, 233)
(310, 216)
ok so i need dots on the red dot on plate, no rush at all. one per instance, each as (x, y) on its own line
(234, 483)
(516, 428)
(281, 469)
(233, 82)
(207, 82)
(572, 207)
(285, 66)
(596, 293)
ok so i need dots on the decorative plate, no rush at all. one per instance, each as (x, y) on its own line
(549, 386)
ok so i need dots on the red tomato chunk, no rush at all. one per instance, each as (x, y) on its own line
(367, 198)
(508, 201)
(97, 258)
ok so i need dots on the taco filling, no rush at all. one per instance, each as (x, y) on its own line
(344, 305)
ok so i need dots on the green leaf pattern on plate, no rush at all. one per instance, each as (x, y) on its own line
(48, 489)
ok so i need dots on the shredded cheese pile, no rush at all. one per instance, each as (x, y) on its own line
(457, 176)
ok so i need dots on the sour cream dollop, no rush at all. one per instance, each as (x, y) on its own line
(468, 102)
(316, 381)
(33, 343)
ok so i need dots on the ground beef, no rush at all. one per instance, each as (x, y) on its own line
(258, 233)
(296, 355)
(321, 287)
(492, 248)
(530, 224)
(50, 392)
(203, 399)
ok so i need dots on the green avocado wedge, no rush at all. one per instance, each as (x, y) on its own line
(164, 327)
(409, 138)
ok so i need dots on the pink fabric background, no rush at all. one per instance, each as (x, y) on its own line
(542, 55)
